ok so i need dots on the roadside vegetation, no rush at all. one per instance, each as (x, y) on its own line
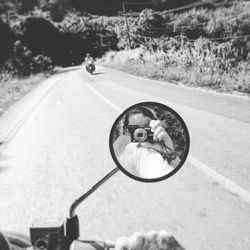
(14, 89)
(201, 47)
(195, 65)
(208, 48)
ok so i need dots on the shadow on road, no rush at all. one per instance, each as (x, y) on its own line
(68, 69)
(99, 73)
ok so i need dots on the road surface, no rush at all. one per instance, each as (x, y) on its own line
(55, 147)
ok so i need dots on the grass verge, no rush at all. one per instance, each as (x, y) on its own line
(13, 90)
(209, 72)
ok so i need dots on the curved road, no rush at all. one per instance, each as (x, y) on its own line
(55, 147)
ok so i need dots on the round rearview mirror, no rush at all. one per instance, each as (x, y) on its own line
(149, 142)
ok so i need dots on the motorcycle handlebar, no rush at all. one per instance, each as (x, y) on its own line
(21, 241)
(91, 245)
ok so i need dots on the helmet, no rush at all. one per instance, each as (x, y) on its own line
(88, 54)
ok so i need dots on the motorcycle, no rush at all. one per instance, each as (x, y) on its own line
(60, 234)
(90, 66)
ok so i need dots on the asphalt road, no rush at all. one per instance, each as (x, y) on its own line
(55, 147)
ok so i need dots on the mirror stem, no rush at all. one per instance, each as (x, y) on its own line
(88, 193)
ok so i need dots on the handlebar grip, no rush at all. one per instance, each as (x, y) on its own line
(91, 245)
(18, 239)
(109, 244)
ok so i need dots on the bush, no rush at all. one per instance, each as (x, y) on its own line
(5, 42)
(24, 64)
(83, 35)
(190, 23)
(149, 23)
(199, 64)
(42, 37)
(41, 63)
(233, 21)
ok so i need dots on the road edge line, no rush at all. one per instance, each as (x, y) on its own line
(19, 124)
(220, 179)
(155, 81)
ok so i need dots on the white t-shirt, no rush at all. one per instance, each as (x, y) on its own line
(144, 162)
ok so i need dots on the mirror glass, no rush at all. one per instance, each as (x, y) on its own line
(149, 142)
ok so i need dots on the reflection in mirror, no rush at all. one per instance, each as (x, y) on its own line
(149, 141)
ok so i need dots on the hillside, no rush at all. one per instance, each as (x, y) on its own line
(53, 33)
(105, 7)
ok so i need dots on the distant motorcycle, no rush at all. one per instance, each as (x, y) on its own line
(90, 66)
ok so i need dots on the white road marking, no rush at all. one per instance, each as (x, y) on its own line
(223, 181)
(105, 99)
(7, 139)
(210, 91)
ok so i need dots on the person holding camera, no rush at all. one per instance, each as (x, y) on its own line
(145, 149)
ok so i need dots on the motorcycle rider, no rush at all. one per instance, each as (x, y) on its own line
(88, 59)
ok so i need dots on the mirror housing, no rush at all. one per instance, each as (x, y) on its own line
(149, 142)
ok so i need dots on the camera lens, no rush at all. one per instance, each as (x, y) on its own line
(41, 244)
(140, 135)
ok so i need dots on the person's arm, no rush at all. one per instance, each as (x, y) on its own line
(120, 144)
(163, 143)
(150, 164)
(145, 159)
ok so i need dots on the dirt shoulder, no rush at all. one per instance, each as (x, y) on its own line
(13, 90)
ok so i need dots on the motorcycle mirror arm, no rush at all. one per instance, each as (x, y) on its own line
(90, 191)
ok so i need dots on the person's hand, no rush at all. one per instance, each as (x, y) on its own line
(150, 241)
(160, 133)
(161, 138)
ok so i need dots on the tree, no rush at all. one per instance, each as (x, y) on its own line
(5, 41)
(27, 5)
(20, 6)
(41, 37)
(150, 23)
(57, 8)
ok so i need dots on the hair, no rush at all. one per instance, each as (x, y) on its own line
(138, 110)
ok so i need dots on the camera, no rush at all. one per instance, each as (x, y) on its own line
(140, 134)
